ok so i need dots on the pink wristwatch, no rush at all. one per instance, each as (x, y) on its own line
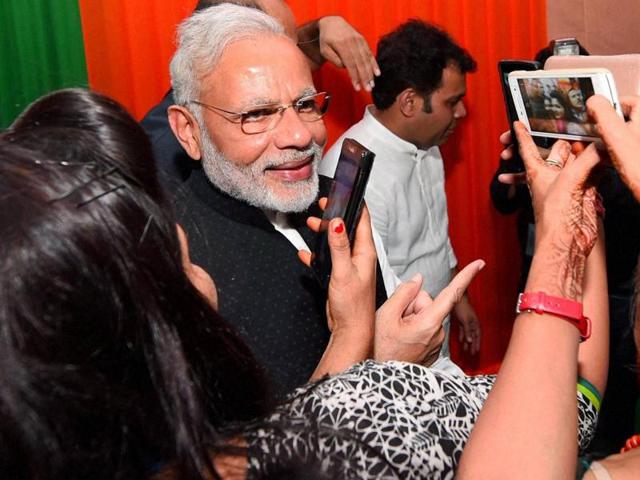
(540, 302)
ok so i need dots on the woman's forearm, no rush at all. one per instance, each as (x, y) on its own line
(593, 356)
(517, 434)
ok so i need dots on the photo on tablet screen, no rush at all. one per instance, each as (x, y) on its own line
(558, 105)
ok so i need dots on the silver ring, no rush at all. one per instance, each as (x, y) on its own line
(553, 163)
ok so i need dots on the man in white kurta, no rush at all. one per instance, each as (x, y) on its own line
(405, 194)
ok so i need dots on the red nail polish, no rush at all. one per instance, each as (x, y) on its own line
(339, 228)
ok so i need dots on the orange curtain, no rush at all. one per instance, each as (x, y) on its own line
(128, 45)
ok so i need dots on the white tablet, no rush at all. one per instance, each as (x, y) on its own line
(552, 103)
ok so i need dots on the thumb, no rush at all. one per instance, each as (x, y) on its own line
(580, 167)
(403, 296)
(339, 247)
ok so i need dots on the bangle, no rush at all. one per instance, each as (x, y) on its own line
(599, 471)
(584, 463)
(631, 443)
(540, 302)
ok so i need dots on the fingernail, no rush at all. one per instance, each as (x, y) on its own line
(356, 86)
(416, 278)
(339, 228)
(481, 266)
(377, 72)
(372, 84)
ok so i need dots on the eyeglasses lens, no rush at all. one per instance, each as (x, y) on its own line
(309, 109)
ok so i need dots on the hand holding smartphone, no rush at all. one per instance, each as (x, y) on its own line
(552, 103)
(345, 200)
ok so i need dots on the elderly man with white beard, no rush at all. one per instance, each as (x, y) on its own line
(246, 107)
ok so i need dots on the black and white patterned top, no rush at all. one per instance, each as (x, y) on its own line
(381, 420)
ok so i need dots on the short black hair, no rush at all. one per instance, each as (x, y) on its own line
(414, 55)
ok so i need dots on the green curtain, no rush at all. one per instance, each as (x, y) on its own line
(41, 49)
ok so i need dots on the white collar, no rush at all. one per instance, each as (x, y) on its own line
(281, 223)
(385, 135)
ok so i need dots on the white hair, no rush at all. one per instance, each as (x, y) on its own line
(202, 39)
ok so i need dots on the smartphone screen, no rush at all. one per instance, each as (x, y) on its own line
(341, 189)
(552, 103)
(558, 105)
(345, 201)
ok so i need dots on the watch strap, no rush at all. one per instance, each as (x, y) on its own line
(569, 310)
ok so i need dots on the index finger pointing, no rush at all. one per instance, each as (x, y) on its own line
(453, 292)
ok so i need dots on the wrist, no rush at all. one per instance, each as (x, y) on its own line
(358, 340)
(343, 351)
(557, 271)
(567, 310)
(309, 32)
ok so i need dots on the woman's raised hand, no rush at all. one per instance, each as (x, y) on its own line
(565, 209)
(621, 138)
(351, 295)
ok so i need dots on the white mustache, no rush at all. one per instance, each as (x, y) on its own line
(289, 156)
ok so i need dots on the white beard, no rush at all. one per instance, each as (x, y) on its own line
(248, 183)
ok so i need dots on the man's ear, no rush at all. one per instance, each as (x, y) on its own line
(186, 129)
(409, 102)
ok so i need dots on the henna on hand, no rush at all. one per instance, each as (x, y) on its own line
(565, 211)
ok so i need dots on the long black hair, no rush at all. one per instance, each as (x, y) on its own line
(111, 361)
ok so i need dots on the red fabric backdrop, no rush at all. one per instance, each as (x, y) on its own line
(128, 46)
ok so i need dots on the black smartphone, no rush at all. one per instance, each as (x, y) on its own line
(505, 67)
(345, 200)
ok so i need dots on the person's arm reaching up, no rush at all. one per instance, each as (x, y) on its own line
(351, 295)
(527, 427)
(332, 38)
(593, 355)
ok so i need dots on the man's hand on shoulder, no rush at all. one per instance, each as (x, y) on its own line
(332, 38)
